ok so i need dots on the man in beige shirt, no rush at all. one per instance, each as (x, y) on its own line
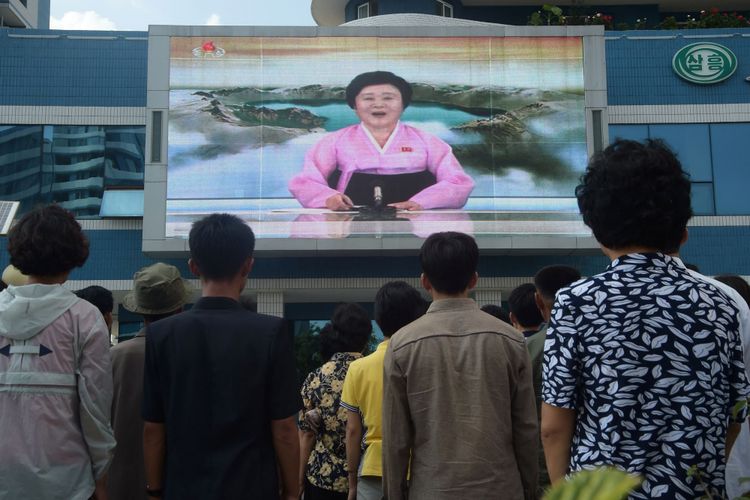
(458, 395)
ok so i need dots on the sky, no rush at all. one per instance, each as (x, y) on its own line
(136, 15)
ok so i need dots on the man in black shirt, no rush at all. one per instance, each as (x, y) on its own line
(220, 390)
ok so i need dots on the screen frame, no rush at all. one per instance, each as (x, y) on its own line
(157, 244)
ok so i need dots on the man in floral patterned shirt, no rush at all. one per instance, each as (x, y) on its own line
(643, 363)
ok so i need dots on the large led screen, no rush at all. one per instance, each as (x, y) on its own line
(333, 137)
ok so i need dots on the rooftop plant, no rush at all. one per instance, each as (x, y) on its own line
(552, 15)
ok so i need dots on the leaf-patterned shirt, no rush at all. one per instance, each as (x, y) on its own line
(651, 360)
(326, 467)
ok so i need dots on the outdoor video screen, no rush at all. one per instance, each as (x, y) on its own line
(334, 137)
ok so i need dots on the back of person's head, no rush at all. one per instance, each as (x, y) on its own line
(220, 244)
(99, 296)
(47, 241)
(397, 304)
(497, 312)
(549, 280)
(348, 331)
(635, 194)
(449, 261)
(523, 309)
(736, 282)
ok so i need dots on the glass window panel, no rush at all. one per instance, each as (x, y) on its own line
(69, 164)
(122, 203)
(363, 11)
(702, 198)
(21, 175)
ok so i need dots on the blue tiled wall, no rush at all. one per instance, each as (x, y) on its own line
(639, 71)
(719, 250)
(64, 71)
(117, 255)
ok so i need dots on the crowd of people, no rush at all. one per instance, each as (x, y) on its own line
(642, 367)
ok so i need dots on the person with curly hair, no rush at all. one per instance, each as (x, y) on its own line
(322, 424)
(643, 363)
(55, 369)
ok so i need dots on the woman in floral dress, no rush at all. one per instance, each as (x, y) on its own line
(323, 473)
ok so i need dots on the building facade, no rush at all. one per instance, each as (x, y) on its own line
(73, 127)
(515, 12)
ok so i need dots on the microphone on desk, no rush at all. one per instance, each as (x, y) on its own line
(377, 194)
(376, 210)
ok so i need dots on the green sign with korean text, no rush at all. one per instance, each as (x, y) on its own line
(704, 63)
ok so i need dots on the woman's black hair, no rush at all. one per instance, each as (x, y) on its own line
(378, 78)
(47, 241)
(348, 331)
(635, 194)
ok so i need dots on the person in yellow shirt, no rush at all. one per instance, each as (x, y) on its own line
(396, 305)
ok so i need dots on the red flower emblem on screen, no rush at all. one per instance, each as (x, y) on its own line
(208, 49)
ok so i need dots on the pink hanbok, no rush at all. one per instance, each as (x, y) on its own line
(408, 150)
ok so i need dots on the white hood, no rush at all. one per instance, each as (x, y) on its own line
(26, 310)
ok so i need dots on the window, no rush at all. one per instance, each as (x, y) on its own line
(363, 10)
(444, 9)
(66, 163)
(156, 137)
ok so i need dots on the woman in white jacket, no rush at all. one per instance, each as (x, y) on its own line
(55, 370)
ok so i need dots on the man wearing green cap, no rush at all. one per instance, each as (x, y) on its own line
(158, 292)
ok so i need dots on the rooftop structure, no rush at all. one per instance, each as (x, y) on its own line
(517, 12)
(24, 14)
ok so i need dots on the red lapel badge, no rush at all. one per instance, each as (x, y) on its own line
(406, 149)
